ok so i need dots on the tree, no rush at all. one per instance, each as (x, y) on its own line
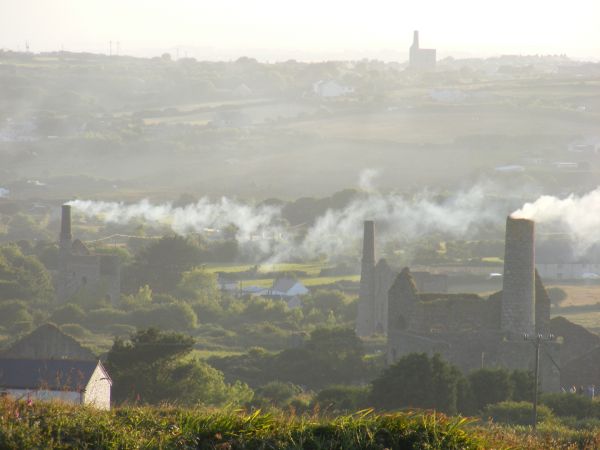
(199, 285)
(330, 356)
(490, 386)
(161, 264)
(417, 381)
(342, 398)
(557, 295)
(151, 367)
(23, 277)
(522, 384)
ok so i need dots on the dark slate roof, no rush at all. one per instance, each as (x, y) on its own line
(284, 284)
(51, 374)
(48, 342)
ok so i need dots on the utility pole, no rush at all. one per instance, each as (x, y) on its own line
(536, 340)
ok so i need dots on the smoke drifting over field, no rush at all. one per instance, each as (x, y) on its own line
(261, 230)
(578, 216)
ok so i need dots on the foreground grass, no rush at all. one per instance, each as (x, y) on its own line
(54, 425)
(58, 426)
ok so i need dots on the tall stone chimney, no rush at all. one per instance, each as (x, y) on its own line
(518, 287)
(365, 320)
(368, 256)
(65, 225)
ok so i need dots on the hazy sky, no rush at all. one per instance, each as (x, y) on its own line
(304, 29)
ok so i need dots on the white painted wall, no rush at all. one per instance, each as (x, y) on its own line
(97, 391)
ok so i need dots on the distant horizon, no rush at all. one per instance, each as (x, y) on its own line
(278, 56)
(313, 30)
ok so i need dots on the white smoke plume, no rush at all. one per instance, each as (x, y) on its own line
(366, 179)
(336, 233)
(257, 224)
(579, 216)
(399, 217)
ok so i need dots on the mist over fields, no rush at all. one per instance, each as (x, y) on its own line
(121, 128)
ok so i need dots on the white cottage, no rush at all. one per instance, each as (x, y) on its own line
(287, 287)
(78, 382)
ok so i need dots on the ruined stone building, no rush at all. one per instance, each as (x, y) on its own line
(80, 269)
(421, 59)
(466, 329)
(376, 281)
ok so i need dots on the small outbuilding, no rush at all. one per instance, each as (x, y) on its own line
(71, 381)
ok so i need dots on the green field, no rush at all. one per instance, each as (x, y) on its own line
(312, 269)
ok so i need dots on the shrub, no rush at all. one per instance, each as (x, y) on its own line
(557, 295)
(490, 386)
(572, 405)
(173, 316)
(275, 393)
(516, 413)
(14, 311)
(75, 330)
(69, 313)
(342, 398)
(100, 319)
(119, 329)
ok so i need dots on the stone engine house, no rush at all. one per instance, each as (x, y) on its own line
(468, 330)
(80, 269)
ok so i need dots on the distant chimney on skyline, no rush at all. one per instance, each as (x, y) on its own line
(415, 43)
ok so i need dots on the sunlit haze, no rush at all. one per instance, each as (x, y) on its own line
(308, 30)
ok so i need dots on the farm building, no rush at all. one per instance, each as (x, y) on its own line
(71, 381)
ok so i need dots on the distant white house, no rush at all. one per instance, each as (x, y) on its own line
(331, 89)
(78, 382)
(287, 288)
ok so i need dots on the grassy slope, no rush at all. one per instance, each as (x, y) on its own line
(59, 426)
(52, 425)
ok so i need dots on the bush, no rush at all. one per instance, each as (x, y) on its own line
(516, 413)
(418, 381)
(75, 330)
(121, 330)
(490, 386)
(571, 405)
(100, 319)
(13, 312)
(557, 295)
(342, 398)
(69, 313)
(275, 393)
(173, 316)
